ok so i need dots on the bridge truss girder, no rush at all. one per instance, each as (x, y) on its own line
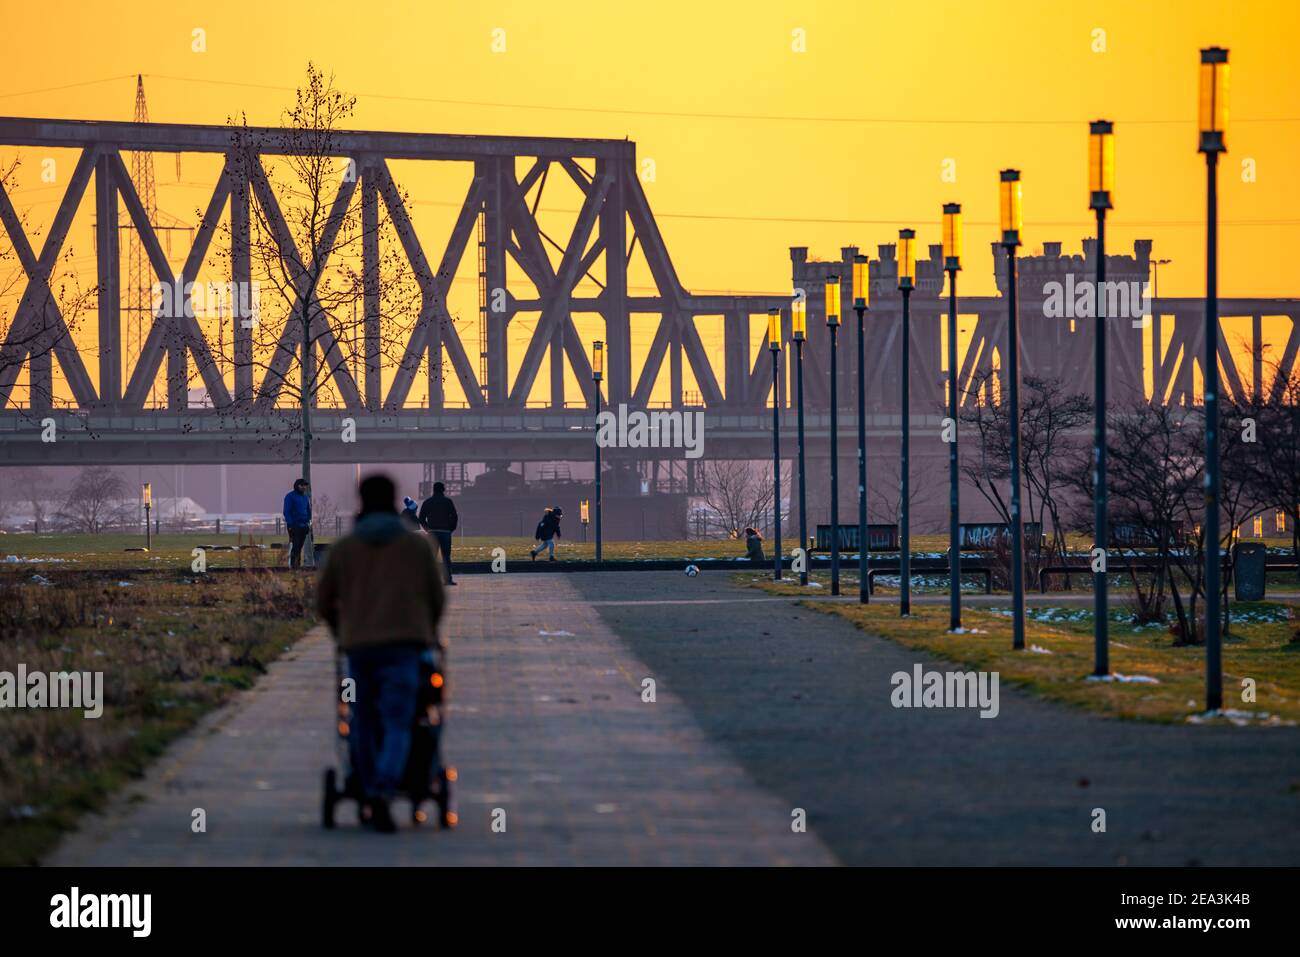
(614, 204)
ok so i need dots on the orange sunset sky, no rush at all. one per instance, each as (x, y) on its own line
(756, 145)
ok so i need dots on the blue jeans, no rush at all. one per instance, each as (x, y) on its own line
(545, 546)
(387, 680)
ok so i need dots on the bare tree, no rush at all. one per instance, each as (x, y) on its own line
(1155, 490)
(885, 491)
(1272, 461)
(1242, 495)
(34, 488)
(1050, 421)
(325, 513)
(738, 495)
(307, 233)
(97, 500)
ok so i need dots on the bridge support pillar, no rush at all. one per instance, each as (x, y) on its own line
(496, 229)
(613, 233)
(107, 270)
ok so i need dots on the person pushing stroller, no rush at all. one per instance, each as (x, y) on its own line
(548, 530)
(381, 592)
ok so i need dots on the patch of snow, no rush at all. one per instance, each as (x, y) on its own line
(1125, 679)
(1240, 718)
(1040, 651)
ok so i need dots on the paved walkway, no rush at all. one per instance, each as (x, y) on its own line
(763, 707)
(547, 724)
(802, 699)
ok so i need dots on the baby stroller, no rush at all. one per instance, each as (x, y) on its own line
(426, 778)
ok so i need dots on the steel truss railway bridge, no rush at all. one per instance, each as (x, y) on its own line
(243, 419)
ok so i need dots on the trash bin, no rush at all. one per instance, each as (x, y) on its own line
(1248, 566)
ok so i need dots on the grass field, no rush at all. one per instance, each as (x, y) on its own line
(108, 551)
(1264, 645)
(170, 649)
(175, 551)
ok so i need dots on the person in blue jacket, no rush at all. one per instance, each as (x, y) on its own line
(297, 519)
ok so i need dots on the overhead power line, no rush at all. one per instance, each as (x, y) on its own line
(760, 117)
(68, 86)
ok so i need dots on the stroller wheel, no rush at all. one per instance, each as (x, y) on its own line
(418, 815)
(446, 815)
(329, 799)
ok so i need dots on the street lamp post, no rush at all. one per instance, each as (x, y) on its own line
(833, 323)
(861, 293)
(774, 344)
(1213, 115)
(1157, 336)
(597, 373)
(147, 492)
(1101, 181)
(952, 263)
(1011, 221)
(906, 283)
(799, 329)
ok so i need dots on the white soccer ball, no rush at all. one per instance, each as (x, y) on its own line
(692, 571)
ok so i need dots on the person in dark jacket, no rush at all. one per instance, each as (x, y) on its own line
(410, 513)
(381, 593)
(297, 519)
(548, 530)
(754, 546)
(438, 516)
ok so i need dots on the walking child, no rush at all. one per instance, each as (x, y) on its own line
(548, 530)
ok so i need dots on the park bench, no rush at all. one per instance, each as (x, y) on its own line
(1085, 569)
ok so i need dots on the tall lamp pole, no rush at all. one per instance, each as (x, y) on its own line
(1213, 115)
(1012, 221)
(952, 263)
(906, 282)
(799, 329)
(774, 344)
(1101, 181)
(833, 323)
(861, 284)
(148, 507)
(597, 373)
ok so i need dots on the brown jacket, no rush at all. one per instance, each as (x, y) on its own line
(382, 585)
